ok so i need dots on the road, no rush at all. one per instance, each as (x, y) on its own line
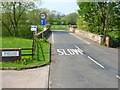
(80, 63)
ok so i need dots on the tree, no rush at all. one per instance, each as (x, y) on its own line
(71, 18)
(95, 14)
(13, 14)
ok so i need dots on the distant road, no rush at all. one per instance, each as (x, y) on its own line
(80, 63)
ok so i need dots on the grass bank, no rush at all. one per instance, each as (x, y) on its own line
(13, 42)
(41, 57)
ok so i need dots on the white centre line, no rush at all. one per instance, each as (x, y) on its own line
(118, 77)
(53, 38)
(96, 62)
(80, 38)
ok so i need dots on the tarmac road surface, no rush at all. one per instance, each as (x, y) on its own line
(79, 63)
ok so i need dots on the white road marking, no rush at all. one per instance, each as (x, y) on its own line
(80, 38)
(76, 51)
(96, 62)
(60, 51)
(118, 77)
(79, 48)
(65, 53)
(53, 38)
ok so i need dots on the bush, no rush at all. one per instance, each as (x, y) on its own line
(114, 39)
(114, 42)
(81, 24)
(25, 32)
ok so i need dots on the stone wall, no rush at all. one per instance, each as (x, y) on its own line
(94, 37)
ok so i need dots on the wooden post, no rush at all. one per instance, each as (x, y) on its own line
(19, 53)
(33, 49)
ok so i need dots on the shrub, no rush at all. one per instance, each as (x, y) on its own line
(114, 39)
(25, 32)
(81, 24)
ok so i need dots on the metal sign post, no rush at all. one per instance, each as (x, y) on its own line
(34, 30)
(42, 21)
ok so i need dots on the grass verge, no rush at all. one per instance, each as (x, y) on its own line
(41, 57)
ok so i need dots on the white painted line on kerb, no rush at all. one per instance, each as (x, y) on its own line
(118, 77)
(80, 38)
(53, 38)
(96, 62)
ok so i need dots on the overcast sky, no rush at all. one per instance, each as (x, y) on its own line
(62, 6)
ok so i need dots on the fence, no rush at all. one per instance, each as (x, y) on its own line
(14, 54)
(28, 54)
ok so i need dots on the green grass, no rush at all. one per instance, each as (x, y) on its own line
(59, 27)
(26, 61)
(15, 42)
(12, 42)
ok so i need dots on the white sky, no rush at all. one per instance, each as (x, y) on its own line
(62, 6)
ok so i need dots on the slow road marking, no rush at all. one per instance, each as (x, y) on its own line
(80, 38)
(96, 62)
(76, 51)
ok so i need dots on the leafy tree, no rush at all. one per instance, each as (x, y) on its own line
(102, 18)
(71, 18)
(95, 14)
(13, 15)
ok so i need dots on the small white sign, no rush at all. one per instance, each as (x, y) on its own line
(10, 53)
(33, 28)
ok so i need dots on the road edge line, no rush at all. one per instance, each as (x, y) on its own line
(96, 62)
(80, 38)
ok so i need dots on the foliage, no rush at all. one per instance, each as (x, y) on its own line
(13, 15)
(17, 18)
(70, 18)
(102, 17)
(81, 25)
(59, 27)
(95, 14)
(114, 38)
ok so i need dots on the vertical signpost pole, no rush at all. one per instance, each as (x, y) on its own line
(42, 21)
(34, 30)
